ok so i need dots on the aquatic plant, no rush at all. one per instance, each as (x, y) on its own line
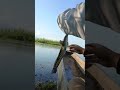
(46, 86)
(17, 34)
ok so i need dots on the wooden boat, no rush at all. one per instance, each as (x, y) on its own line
(72, 76)
(70, 71)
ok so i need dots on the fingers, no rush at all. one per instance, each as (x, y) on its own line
(76, 48)
(94, 48)
(72, 49)
(90, 60)
(73, 46)
(89, 50)
(90, 54)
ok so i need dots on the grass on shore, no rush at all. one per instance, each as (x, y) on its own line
(17, 34)
(23, 35)
(46, 41)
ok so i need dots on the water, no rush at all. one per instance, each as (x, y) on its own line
(20, 65)
(45, 57)
(16, 67)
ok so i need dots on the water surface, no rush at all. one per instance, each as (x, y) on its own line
(45, 57)
(16, 67)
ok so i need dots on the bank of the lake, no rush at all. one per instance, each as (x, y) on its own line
(17, 42)
(18, 34)
(47, 41)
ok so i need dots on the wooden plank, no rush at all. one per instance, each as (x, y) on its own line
(103, 79)
(69, 73)
(62, 83)
(80, 62)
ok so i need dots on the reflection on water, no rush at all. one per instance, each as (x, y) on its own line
(16, 67)
(45, 57)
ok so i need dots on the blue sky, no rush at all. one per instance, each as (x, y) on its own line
(46, 13)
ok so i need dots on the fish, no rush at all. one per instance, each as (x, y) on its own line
(61, 54)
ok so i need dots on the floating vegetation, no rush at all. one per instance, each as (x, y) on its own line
(49, 85)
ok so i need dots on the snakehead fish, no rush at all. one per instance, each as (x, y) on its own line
(62, 52)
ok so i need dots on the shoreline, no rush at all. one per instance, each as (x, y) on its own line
(45, 44)
(18, 42)
(47, 41)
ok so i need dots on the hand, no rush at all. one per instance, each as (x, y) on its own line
(76, 48)
(96, 53)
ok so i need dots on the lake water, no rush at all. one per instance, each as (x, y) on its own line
(20, 65)
(45, 57)
(16, 67)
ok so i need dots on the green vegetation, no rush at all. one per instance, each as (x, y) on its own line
(17, 34)
(46, 86)
(25, 36)
(46, 41)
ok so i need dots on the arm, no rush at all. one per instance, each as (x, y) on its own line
(96, 53)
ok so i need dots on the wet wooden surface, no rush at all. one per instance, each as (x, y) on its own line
(70, 75)
(106, 77)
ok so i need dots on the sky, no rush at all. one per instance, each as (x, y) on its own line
(46, 13)
(17, 14)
